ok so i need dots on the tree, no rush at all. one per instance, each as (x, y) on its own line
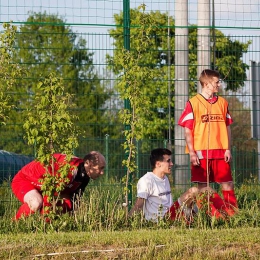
(136, 74)
(241, 128)
(50, 127)
(8, 70)
(228, 61)
(45, 44)
(228, 55)
(153, 60)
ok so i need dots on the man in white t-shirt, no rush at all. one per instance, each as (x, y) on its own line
(154, 192)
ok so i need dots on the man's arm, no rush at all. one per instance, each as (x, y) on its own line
(190, 143)
(227, 155)
(139, 204)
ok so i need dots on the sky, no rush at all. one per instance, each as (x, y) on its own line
(239, 13)
(240, 18)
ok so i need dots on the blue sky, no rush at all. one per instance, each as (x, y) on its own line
(240, 18)
(245, 13)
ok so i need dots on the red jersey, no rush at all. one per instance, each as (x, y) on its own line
(34, 171)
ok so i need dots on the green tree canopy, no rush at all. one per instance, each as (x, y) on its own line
(8, 70)
(148, 54)
(46, 44)
(228, 55)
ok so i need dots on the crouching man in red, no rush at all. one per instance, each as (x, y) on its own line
(26, 184)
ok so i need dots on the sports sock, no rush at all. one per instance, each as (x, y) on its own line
(173, 211)
(230, 198)
(66, 205)
(217, 201)
(24, 210)
(215, 212)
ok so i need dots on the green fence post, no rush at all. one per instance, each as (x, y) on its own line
(137, 159)
(106, 155)
(126, 23)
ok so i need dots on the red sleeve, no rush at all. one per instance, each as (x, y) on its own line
(229, 119)
(187, 117)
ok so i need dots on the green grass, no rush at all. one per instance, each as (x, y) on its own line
(172, 243)
(98, 229)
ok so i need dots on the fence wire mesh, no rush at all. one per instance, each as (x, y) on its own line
(78, 39)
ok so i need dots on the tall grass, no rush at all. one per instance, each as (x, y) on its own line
(101, 209)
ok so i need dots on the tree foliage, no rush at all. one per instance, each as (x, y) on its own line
(228, 59)
(8, 70)
(228, 55)
(46, 44)
(136, 73)
(145, 50)
(50, 127)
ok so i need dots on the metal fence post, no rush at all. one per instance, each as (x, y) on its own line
(138, 159)
(126, 34)
(106, 155)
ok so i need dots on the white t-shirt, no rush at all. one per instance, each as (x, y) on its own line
(157, 195)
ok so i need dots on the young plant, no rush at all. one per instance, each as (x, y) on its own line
(50, 128)
(136, 74)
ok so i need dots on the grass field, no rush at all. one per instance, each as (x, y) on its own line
(172, 243)
(98, 229)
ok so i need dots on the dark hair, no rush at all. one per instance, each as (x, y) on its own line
(92, 157)
(208, 74)
(157, 155)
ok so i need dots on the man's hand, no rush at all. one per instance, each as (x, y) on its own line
(194, 159)
(227, 156)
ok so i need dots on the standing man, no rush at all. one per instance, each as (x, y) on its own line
(206, 120)
(154, 195)
(26, 184)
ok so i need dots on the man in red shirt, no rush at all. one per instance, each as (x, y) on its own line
(206, 120)
(27, 183)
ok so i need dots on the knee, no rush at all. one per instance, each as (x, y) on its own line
(35, 204)
(189, 195)
(34, 200)
(227, 186)
(207, 189)
(193, 191)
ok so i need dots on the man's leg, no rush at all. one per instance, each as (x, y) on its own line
(223, 176)
(229, 197)
(64, 205)
(217, 205)
(26, 193)
(185, 200)
(32, 202)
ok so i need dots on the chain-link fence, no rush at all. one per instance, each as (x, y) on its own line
(79, 40)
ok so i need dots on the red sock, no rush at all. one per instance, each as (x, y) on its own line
(217, 201)
(230, 198)
(66, 205)
(215, 212)
(174, 210)
(24, 210)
